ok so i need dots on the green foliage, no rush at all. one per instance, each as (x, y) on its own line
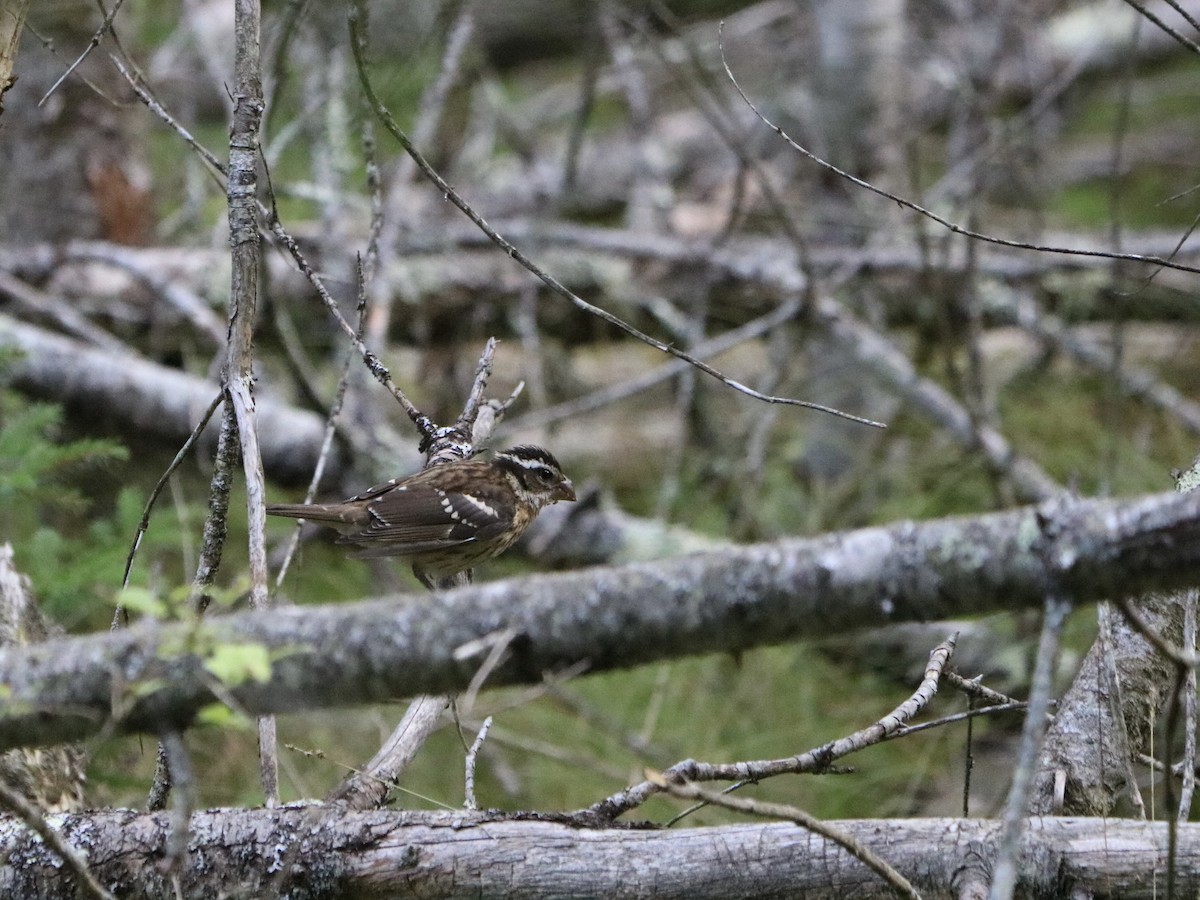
(78, 577)
(234, 664)
(218, 715)
(35, 466)
(70, 542)
(143, 602)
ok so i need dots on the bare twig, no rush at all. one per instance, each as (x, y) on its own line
(1110, 677)
(36, 822)
(972, 688)
(817, 760)
(1188, 786)
(1181, 39)
(497, 645)
(556, 286)
(786, 311)
(1016, 807)
(945, 223)
(331, 423)
(472, 755)
(216, 524)
(215, 166)
(106, 25)
(859, 851)
(965, 716)
(241, 187)
(183, 799)
(144, 524)
(374, 364)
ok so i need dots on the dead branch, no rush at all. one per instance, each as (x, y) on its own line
(150, 399)
(456, 853)
(152, 676)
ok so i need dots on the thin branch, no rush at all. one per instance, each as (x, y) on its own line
(374, 364)
(472, 755)
(453, 196)
(216, 525)
(331, 422)
(144, 524)
(945, 223)
(1183, 41)
(859, 851)
(215, 166)
(621, 390)
(1188, 17)
(36, 822)
(965, 716)
(1188, 787)
(106, 25)
(1178, 655)
(973, 689)
(1013, 822)
(817, 760)
(497, 645)
(183, 781)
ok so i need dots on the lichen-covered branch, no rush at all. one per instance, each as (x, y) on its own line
(153, 676)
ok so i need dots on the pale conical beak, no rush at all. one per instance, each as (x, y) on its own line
(564, 491)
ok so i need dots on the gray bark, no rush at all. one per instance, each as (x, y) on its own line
(148, 399)
(326, 852)
(152, 676)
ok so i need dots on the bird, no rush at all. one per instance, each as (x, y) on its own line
(449, 517)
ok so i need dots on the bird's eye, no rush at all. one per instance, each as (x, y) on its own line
(545, 474)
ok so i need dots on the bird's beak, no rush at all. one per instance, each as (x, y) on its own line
(564, 491)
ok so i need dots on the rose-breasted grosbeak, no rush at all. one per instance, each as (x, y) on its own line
(447, 518)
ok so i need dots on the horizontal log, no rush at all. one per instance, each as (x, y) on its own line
(153, 676)
(325, 851)
(148, 399)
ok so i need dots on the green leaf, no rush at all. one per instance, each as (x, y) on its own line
(218, 715)
(234, 664)
(141, 600)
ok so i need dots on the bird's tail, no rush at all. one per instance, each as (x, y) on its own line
(314, 512)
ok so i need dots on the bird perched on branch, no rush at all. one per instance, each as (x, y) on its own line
(447, 518)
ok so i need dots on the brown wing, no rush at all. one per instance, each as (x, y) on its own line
(416, 518)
